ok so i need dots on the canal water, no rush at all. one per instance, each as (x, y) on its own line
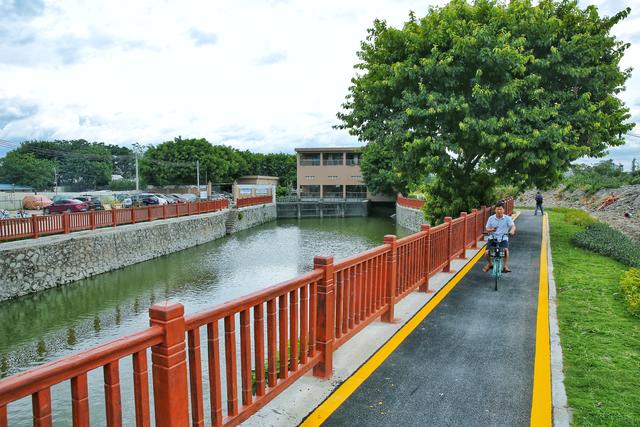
(46, 326)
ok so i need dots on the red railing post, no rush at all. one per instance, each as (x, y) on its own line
(463, 215)
(66, 223)
(474, 214)
(149, 213)
(133, 215)
(92, 219)
(164, 211)
(392, 277)
(169, 365)
(325, 317)
(483, 219)
(114, 217)
(427, 258)
(34, 225)
(447, 267)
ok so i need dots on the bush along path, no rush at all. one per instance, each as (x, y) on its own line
(600, 337)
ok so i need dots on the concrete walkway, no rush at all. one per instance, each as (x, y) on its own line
(470, 362)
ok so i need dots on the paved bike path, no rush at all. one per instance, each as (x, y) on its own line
(470, 361)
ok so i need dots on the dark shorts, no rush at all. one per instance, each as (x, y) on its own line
(494, 243)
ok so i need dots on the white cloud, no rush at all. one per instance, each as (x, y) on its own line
(266, 76)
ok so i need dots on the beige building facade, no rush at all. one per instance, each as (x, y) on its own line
(330, 173)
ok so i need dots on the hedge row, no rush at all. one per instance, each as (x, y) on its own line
(630, 285)
(603, 239)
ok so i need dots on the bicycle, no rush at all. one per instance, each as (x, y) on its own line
(496, 253)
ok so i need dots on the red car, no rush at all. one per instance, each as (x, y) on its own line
(67, 205)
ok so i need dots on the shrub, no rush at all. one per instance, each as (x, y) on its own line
(630, 285)
(122, 185)
(579, 217)
(601, 238)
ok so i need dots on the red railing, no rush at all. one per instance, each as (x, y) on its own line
(271, 337)
(38, 225)
(250, 201)
(410, 203)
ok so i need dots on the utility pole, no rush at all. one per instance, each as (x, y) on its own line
(55, 179)
(198, 178)
(137, 176)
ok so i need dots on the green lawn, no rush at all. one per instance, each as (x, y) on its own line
(600, 339)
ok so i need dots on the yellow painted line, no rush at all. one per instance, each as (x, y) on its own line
(541, 412)
(322, 412)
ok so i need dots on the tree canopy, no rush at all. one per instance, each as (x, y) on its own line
(26, 169)
(174, 162)
(83, 165)
(484, 94)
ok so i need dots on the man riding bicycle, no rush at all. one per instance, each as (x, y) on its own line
(500, 226)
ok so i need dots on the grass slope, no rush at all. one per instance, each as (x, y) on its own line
(600, 339)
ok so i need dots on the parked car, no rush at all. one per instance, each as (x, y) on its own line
(164, 200)
(94, 202)
(178, 198)
(142, 199)
(189, 197)
(36, 202)
(67, 205)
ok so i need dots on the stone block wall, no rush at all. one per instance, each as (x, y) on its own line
(254, 215)
(409, 218)
(33, 265)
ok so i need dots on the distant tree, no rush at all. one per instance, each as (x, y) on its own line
(26, 169)
(82, 165)
(634, 166)
(123, 161)
(484, 94)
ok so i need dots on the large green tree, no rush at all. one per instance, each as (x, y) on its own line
(174, 162)
(486, 93)
(81, 165)
(26, 169)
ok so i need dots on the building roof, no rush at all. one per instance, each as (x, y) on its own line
(329, 150)
(258, 177)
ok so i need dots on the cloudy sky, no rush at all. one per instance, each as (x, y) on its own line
(261, 75)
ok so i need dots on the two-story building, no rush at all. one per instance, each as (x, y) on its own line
(330, 173)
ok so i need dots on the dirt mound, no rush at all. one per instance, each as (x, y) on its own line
(623, 214)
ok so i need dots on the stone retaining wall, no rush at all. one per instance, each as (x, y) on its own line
(254, 215)
(409, 218)
(33, 265)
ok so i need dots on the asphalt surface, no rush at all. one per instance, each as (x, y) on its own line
(470, 362)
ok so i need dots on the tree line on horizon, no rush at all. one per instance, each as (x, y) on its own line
(81, 165)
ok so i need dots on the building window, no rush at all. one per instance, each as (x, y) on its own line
(310, 177)
(332, 192)
(356, 191)
(332, 177)
(353, 159)
(357, 177)
(310, 159)
(333, 159)
(310, 191)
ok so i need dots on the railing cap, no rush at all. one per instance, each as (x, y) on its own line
(322, 260)
(166, 310)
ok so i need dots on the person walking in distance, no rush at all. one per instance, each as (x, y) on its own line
(538, 204)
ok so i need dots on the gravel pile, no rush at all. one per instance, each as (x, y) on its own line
(613, 214)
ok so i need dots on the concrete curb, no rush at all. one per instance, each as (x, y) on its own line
(561, 411)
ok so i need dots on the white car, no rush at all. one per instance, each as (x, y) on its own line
(161, 199)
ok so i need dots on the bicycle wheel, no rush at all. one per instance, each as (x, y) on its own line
(497, 270)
